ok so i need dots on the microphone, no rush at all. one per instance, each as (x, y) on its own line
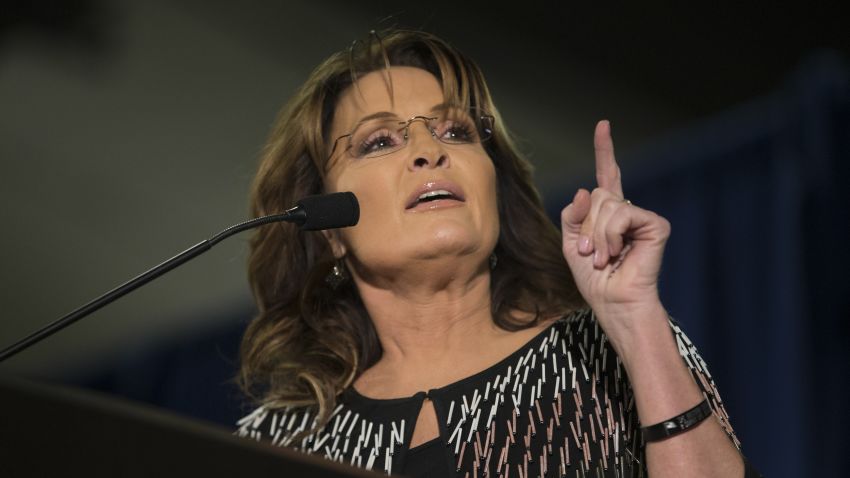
(329, 211)
(311, 213)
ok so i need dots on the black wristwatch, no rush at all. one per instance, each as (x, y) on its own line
(677, 424)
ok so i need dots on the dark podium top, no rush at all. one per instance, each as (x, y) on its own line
(51, 430)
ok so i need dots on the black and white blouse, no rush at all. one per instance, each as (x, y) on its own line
(561, 405)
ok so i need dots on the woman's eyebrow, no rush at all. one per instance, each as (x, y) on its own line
(441, 107)
(376, 115)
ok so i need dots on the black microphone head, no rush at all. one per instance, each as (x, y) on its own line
(329, 211)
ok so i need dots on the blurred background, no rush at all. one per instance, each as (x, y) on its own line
(130, 131)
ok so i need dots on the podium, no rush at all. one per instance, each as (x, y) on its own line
(51, 430)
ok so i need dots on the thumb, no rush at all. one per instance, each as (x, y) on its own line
(575, 213)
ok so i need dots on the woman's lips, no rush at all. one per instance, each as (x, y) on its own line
(435, 194)
(436, 204)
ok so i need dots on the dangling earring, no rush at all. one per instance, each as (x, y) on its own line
(493, 261)
(336, 276)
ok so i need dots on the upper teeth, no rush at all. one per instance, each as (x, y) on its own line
(436, 192)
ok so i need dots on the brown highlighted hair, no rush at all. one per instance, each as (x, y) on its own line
(310, 342)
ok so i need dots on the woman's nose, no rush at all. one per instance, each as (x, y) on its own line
(427, 150)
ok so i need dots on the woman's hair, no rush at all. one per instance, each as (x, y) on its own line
(310, 341)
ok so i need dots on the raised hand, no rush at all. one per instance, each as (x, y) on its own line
(613, 248)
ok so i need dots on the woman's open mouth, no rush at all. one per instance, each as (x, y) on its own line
(434, 195)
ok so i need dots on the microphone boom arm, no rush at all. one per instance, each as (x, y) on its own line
(296, 214)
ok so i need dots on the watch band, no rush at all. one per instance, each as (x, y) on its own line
(677, 424)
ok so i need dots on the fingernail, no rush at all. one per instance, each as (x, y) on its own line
(596, 258)
(584, 244)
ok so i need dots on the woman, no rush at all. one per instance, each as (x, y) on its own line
(449, 333)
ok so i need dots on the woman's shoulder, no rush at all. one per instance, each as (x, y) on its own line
(276, 425)
(570, 324)
(567, 322)
(250, 425)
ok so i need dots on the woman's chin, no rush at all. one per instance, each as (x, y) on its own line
(453, 236)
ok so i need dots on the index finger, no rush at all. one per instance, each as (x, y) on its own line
(607, 170)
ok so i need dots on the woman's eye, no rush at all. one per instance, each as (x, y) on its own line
(457, 132)
(378, 142)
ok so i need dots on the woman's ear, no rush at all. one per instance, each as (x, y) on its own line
(335, 240)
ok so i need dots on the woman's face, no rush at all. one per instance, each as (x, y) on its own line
(399, 227)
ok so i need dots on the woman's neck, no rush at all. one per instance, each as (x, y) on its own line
(431, 338)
